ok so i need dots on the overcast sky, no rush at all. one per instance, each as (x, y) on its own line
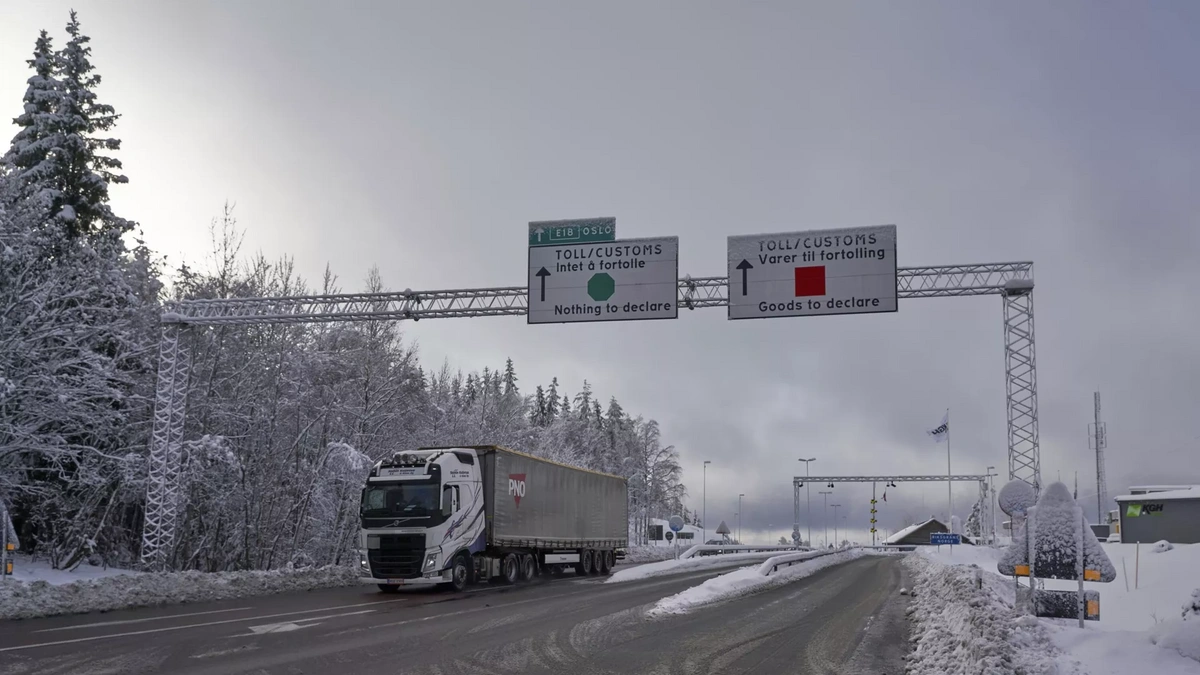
(422, 137)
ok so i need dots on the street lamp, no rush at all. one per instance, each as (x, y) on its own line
(704, 506)
(992, 501)
(808, 496)
(835, 529)
(825, 520)
(739, 514)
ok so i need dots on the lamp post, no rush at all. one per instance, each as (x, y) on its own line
(835, 524)
(704, 505)
(992, 501)
(825, 519)
(739, 515)
(808, 496)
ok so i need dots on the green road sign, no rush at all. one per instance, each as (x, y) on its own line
(580, 231)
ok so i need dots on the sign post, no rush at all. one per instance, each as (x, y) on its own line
(623, 280)
(846, 271)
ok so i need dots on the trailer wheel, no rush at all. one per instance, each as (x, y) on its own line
(584, 567)
(510, 569)
(606, 563)
(598, 563)
(528, 568)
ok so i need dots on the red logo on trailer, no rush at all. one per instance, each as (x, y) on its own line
(516, 486)
(810, 281)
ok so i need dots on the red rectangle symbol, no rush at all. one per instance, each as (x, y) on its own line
(810, 281)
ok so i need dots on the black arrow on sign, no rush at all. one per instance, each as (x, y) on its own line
(543, 274)
(743, 266)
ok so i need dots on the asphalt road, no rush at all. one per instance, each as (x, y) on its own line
(847, 618)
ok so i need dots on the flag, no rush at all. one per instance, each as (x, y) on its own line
(942, 430)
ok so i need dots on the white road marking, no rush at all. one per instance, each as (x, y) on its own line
(289, 626)
(196, 625)
(153, 618)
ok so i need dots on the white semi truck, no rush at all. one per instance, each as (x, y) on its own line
(457, 515)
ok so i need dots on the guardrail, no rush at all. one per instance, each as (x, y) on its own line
(726, 549)
(772, 565)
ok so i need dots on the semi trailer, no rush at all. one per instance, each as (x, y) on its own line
(455, 516)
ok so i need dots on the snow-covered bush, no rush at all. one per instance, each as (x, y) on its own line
(1182, 635)
(1161, 546)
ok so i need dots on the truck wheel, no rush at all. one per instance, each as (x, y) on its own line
(509, 569)
(584, 567)
(528, 569)
(460, 573)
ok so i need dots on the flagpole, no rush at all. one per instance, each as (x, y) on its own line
(949, 481)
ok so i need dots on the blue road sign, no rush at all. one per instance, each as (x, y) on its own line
(945, 539)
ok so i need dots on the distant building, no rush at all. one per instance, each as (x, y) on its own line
(659, 528)
(1151, 513)
(918, 535)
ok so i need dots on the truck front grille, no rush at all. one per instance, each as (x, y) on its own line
(398, 556)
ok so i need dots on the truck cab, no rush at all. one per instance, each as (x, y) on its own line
(423, 516)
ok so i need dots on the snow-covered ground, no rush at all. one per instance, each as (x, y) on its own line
(1123, 640)
(744, 581)
(672, 566)
(29, 570)
(59, 593)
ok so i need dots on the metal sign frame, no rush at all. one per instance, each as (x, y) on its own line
(1011, 281)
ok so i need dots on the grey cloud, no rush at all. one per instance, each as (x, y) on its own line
(422, 139)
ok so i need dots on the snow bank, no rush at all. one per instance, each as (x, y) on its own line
(743, 582)
(27, 600)
(1161, 546)
(648, 554)
(1123, 641)
(658, 569)
(959, 624)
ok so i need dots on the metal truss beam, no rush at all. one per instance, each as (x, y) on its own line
(163, 488)
(1020, 375)
(1011, 280)
(800, 480)
(694, 293)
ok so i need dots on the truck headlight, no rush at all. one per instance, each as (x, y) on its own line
(362, 560)
(431, 560)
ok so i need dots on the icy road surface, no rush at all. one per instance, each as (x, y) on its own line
(845, 618)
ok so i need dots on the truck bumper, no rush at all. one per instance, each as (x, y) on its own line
(442, 577)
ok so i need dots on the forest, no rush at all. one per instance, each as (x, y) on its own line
(283, 421)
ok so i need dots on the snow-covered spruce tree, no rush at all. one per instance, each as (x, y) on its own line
(78, 309)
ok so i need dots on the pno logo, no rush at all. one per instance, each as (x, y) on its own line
(516, 486)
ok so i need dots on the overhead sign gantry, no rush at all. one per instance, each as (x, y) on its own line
(830, 274)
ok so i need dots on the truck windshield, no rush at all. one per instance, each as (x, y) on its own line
(402, 500)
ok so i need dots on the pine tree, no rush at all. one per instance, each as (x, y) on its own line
(84, 200)
(616, 419)
(31, 165)
(552, 401)
(565, 409)
(583, 401)
(537, 416)
(510, 379)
